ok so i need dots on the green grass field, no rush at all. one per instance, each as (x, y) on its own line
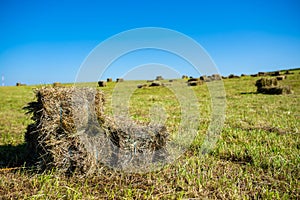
(256, 157)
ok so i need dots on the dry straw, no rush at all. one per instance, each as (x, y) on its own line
(71, 133)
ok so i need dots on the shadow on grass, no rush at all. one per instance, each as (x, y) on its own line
(249, 93)
(13, 156)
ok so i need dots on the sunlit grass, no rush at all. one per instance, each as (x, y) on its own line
(256, 156)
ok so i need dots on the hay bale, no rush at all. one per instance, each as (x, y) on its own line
(266, 82)
(280, 78)
(120, 80)
(205, 78)
(109, 80)
(101, 83)
(56, 84)
(20, 84)
(271, 86)
(277, 73)
(59, 114)
(159, 78)
(254, 75)
(71, 133)
(184, 77)
(144, 144)
(194, 83)
(216, 77)
(262, 74)
(233, 76)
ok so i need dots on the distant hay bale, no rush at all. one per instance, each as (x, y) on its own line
(277, 73)
(194, 83)
(280, 78)
(184, 77)
(271, 86)
(57, 84)
(254, 75)
(150, 81)
(216, 77)
(20, 84)
(224, 77)
(109, 80)
(233, 76)
(101, 83)
(159, 78)
(261, 74)
(242, 75)
(120, 80)
(205, 78)
(71, 133)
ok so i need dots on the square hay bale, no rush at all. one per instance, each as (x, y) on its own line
(194, 83)
(271, 86)
(266, 82)
(276, 73)
(184, 77)
(216, 77)
(71, 133)
(57, 84)
(101, 83)
(159, 78)
(137, 145)
(233, 76)
(20, 84)
(60, 114)
(193, 79)
(119, 80)
(262, 74)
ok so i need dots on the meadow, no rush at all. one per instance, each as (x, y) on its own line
(257, 155)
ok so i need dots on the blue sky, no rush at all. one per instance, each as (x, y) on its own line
(47, 41)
